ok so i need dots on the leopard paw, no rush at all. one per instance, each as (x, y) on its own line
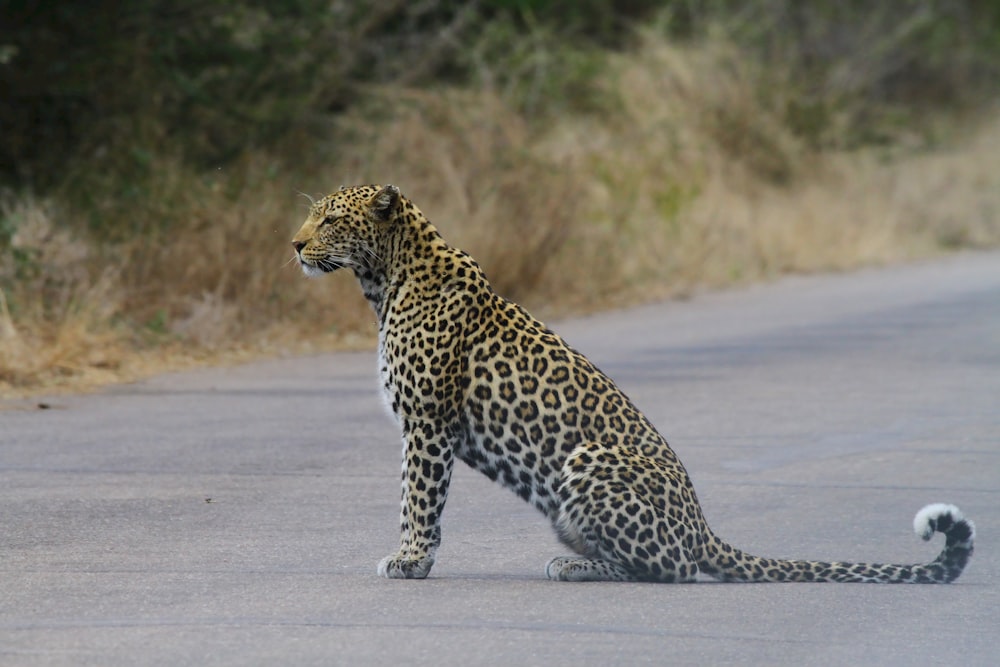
(586, 569)
(398, 566)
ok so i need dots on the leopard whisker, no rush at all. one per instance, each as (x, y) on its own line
(312, 200)
(371, 254)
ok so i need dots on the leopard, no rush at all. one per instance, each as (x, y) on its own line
(469, 375)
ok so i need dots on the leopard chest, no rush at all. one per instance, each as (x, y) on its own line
(418, 372)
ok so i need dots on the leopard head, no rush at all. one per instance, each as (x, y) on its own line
(342, 229)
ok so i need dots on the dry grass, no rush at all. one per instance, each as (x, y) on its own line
(690, 178)
(54, 324)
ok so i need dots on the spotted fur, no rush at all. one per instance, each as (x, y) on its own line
(472, 376)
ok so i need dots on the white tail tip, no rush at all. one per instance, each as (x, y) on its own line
(925, 522)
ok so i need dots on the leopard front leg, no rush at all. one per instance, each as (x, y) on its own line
(428, 460)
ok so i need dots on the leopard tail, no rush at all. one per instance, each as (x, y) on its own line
(728, 563)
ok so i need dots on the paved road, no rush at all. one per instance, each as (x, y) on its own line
(235, 517)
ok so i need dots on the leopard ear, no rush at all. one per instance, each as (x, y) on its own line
(384, 203)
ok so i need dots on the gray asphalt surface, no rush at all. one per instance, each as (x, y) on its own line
(236, 516)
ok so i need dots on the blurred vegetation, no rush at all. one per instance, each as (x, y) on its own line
(137, 140)
(112, 84)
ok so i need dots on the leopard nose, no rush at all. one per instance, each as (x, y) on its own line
(298, 245)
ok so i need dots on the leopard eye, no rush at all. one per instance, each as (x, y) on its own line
(330, 219)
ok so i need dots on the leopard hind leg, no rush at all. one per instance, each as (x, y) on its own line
(619, 522)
